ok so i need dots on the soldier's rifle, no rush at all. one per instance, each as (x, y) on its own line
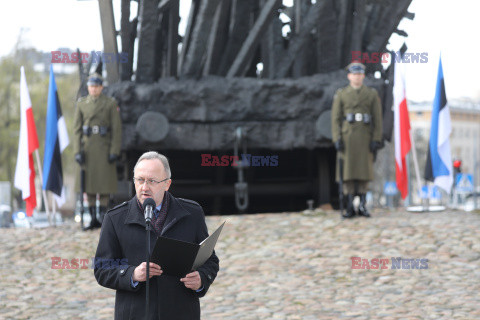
(340, 183)
(82, 191)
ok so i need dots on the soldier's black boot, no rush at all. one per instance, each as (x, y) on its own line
(350, 210)
(91, 210)
(362, 208)
(93, 222)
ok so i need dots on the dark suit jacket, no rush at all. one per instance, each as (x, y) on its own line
(123, 239)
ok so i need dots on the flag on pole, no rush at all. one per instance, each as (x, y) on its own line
(27, 144)
(439, 159)
(401, 125)
(56, 140)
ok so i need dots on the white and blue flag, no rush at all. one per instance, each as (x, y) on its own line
(56, 140)
(438, 168)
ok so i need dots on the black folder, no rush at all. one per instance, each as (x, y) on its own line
(178, 258)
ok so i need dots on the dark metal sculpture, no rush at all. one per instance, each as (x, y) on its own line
(237, 66)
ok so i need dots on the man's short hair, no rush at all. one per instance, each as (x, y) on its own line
(150, 155)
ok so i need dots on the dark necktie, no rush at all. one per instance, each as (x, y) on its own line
(158, 221)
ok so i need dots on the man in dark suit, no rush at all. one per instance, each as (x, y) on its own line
(120, 257)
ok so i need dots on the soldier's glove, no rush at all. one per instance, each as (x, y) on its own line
(80, 158)
(339, 145)
(112, 158)
(375, 146)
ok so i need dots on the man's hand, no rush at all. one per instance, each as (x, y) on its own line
(112, 158)
(375, 145)
(140, 272)
(80, 158)
(339, 145)
(192, 280)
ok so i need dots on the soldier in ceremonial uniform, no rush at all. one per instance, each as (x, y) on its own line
(97, 143)
(357, 135)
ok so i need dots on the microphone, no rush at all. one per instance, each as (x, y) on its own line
(148, 206)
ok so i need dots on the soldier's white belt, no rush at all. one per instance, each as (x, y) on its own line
(94, 130)
(358, 117)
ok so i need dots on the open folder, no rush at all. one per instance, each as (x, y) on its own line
(178, 258)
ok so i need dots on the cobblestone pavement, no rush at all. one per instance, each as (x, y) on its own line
(274, 266)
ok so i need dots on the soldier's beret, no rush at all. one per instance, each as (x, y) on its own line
(95, 80)
(355, 67)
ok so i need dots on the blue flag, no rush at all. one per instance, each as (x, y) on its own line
(56, 140)
(438, 168)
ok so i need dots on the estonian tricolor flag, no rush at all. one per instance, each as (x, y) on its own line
(439, 159)
(56, 140)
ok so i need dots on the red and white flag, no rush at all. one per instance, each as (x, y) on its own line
(401, 126)
(27, 144)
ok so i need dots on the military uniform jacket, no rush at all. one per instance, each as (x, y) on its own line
(356, 136)
(100, 175)
(122, 238)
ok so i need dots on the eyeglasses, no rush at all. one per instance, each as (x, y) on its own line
(150, 182)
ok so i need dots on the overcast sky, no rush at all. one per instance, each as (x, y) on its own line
(439, 25)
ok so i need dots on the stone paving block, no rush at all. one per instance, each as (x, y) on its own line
(296, 266)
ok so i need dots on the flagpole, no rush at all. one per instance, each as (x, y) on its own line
(408, 199)
(39, 168)
(415, 164)
(54, 209)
